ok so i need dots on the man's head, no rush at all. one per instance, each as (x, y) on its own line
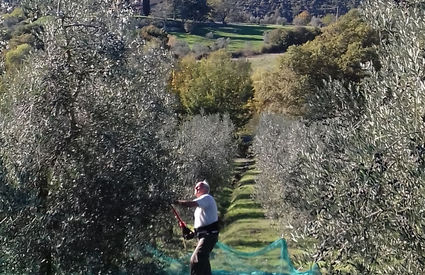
(201, 188)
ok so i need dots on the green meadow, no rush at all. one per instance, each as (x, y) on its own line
(242, 36)
(264, 62)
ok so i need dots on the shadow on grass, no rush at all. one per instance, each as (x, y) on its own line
(244, 182)
(249, 30)
(242, 196)
(247, 243)
(223, 199)
(251, 215)
(245, 205)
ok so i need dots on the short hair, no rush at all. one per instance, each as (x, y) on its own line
(205, 184)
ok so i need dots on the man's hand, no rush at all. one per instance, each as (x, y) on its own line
(182, 224)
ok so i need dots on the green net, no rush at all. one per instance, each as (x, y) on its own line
(271, 260)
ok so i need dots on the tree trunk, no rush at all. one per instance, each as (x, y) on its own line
(46, 267)
(146, 5)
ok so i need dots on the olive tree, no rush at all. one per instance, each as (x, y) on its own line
(205, 148)
(85, 139)
(356, 183)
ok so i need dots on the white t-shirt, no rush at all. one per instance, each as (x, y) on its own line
(206, 212)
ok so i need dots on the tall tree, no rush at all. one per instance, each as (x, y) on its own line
(220, 9)
(85, 132)
(195, 10)
(216, 84)
(184, 9)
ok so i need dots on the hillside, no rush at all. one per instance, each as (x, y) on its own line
(249, 10)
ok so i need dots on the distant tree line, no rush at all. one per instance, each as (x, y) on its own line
(254, 11)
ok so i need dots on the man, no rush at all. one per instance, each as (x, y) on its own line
(206, 228)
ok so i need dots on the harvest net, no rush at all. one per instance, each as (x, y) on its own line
(271, 260)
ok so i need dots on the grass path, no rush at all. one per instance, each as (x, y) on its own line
(245, 226)
(264, 62)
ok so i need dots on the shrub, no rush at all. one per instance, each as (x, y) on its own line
(220, 43)
(209, 35)
(280, 92)
(25, 38)
(278, 40)
(15, 57)
(200, 50)
(180, 48)
(316, 22)
(302, 19)
(328, 19)
(32, 28)
(11, 19)
(189, 26)
(152, 32)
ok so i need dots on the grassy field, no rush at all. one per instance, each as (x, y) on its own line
(242, 36)
(245, 226)
(264, 62)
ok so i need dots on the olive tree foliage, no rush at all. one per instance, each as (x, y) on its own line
(357, 183)
(206, 147)
(3, 43)
(85, 139)
(278, 143)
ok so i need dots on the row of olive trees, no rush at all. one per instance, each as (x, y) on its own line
(91, 149)
(355, 182)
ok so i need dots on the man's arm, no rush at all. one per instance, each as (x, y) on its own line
(187, 203)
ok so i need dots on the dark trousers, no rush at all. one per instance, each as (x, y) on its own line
(200, 260)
